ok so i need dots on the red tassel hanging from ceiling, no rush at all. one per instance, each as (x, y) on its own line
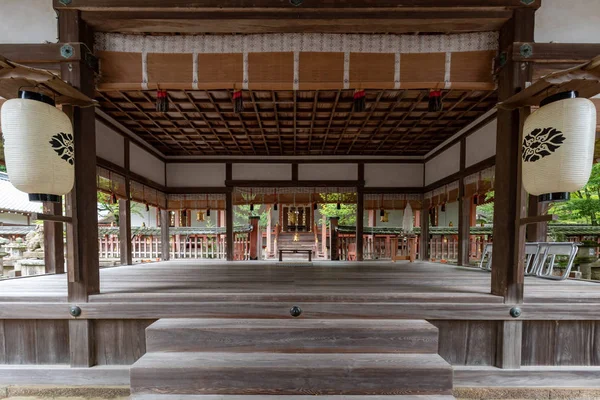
(162, 102)
(360, 103)
(238, 102)
(435, 101)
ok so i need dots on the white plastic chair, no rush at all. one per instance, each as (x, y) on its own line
(532, 256)
(547, 259)
(484, 264)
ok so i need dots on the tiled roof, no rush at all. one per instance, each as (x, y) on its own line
(12, 199)
(16, 230)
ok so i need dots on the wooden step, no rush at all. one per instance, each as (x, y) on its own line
(300, 397)
(291, 374)
(292, 336)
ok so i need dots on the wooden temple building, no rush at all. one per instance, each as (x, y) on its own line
(385, 104)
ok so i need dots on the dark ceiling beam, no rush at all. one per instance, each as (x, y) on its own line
(285, 21)
(161, 5)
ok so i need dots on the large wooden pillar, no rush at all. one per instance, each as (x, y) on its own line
(165, 236)
(464, 211)
(254, 237)
(360, 223)
(125, 230)
(333, 235)
(269, 230)
(81, 202)
(424, 236)
(125, 249)
(536, 232)
(82, 235)
(54, 245)
(510, 200)
(229, 225)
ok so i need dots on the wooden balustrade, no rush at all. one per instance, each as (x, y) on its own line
(148, 248)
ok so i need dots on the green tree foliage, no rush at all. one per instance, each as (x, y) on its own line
(347, 213)
(242, 213)
(2, 168)
(584, 205)
(107, 209)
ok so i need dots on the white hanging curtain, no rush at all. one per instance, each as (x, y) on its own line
(407, 220)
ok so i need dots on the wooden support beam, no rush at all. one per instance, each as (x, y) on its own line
(509, 343)
(360, 223)
(201, 5)
(424, 236)
(84, 265)
(54, 245)
(539, 219)
(81, 343)
(254, 238)
(509, 234)
(333, 236)
(229, 225)
(464, 211)
(554, 53)
(360, 215)
(536, 232)
(42, 53)
(165, 237)
(125, 231)
(55, 218)
(321, 183)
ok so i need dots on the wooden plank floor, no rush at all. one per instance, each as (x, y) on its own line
(324, 281)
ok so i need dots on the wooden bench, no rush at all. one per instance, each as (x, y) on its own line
(295, 251)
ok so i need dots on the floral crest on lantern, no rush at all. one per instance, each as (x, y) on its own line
(62, 143)
(541, 143)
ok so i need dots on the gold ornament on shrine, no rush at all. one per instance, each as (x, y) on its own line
(200, 216)
(385, 216)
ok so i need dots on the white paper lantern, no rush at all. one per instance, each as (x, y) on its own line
(38, 146)
(558, 147)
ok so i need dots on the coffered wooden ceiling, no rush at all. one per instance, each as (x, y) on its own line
(202, 122)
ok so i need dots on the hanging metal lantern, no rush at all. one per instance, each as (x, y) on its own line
(558, 146)
(38, 142)
(385, 216)
(208, 212)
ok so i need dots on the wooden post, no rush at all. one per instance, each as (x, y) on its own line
(83, 262)
(82, 236)
(165, 245)
(254, 242)
(54, 245)
(269, 230)
(464, 211)
(125, 229)
(424, 236)
(333, 238)
(537, 232)
(229, 225)
(360, 221)
(324, 239)
(509, 235)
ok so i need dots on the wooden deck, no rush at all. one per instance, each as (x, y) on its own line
(194, 281)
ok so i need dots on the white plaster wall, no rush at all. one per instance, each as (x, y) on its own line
(443, 165)
(394, 175)
(481, 145)
(196, 175)
(146, 165)
(568, 21)
(27, 21)
(139, 215)
(262, 172)
(109, 144)
(450, 215)
(313, 172)
(13, 219)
